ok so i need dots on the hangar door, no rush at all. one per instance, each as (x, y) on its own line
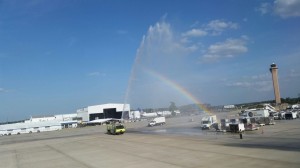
(96, 116)
(112, 113)
(108, 113)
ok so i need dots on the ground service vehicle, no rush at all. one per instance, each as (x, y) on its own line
(290, 115)
(237, 127)
(208, 121)
(255, 113)
(275, 115)
(115, 128)
(225, 124)
(249, 124)
(157, 121)
(269, 120)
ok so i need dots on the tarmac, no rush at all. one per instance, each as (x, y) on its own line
(179, 143)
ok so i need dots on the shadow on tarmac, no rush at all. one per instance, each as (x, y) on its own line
(279, 146)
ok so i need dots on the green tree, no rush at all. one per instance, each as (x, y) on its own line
(173, 108)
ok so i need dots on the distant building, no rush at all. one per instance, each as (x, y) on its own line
(229, 106)
(57, 117)
(135, 115)
(29, 127)
(40, 124)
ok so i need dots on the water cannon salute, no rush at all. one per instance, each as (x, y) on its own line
(149, 83)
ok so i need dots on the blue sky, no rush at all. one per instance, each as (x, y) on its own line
(59, 56)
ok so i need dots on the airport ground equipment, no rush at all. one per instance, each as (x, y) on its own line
(260, 121)
(281, 115)
(237, 127)
(275, 115)
(255, 113)
(269, 120)
(115, 128)
(294, 114)
(225, 124)
(232, 125)
(290, 115)
(208, 121)
(250, 124)
(157, 121)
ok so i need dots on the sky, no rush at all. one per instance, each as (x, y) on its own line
(59, 56)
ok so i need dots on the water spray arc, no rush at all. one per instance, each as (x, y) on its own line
(179, 89)
(158, 52)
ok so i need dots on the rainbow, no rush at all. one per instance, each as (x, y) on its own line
(178, 88)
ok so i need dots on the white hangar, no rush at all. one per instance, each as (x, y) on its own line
(104, 111)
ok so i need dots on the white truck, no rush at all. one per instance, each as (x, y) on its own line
(157, 121)
(208, 121)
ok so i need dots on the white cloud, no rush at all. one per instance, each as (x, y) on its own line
(227, 49)
(193, 47)
(261, 76)
(294, 74)
(122, 32)
(257, 85)
(2, 90)
(195, 24)
(96, 74)
(240, 84)
(282, 8)
(262, 83)
(185, 40)
(218, 26)
(195, 33)
(214, 27)
(287, 8)
(264, 8)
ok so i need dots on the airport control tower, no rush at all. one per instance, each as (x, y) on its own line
(274, 70)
